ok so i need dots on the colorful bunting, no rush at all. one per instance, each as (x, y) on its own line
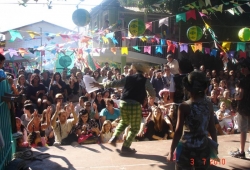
(194, 5)
(163, 21)
(242, 54)
(214, 52)
(12, 52)
(184, 47)
(158, 49)
(1, 51)
(171, 46)
(201, 3)
(163, 42)
(207, 50)
(180, 17)
(113, 50)
(230, 54)
(124, 50)
(198, 46)
(149, 26)
(241, 46)
(226, 45)
(191, 14)
(22, 51)
(193, 48)
(147, 49)
(15, 34)
(91, 63)
(136, 48)
(33, 34)
(208, 2)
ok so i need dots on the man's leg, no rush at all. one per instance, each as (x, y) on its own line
(135, 122)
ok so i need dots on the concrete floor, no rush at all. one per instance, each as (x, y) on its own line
(150, 155)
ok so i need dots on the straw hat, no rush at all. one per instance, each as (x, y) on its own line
(140, 67)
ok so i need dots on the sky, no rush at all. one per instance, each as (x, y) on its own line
(14, 16)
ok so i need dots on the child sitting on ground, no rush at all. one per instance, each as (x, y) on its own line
(106, 132)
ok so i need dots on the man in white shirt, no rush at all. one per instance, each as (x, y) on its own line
(173, 64)
(170, 85)
(62, 126)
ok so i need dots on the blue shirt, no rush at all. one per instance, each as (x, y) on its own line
(110, 116)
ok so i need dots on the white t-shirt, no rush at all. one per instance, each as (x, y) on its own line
(174, 66)
(170, 82)
(61, 131)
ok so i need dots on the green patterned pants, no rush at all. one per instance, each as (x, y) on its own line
(131, 114)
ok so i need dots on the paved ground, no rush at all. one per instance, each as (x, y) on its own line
(150, 156)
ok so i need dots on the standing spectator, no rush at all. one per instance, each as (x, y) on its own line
(158, 82)
(169, 82)
(173, 64)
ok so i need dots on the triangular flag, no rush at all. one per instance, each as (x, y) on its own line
(15, 34)
(149, 26)
(144, 39)
(193, 48)
(114, 40)
(91, 63)
(147, 49)
(22, 51)
(204, 11)
(33, 34)
(171, 46)
(242, 54)
(163, 42)
(190, 6)
(110, 35)
(181, 16)
(105, 40)
(124, 50)
(231, 11)
(184, 47)
(163, 21)
(158, 49)
(191, 14)
(226, 45)
(194, 5)
(207, 50)
(201, 3)
(213, 52)
(230, 54)
(12, 52)
(136, 48)
(208, 2)
(240, 9)
(198, 46)
(113, 50)
(241, 46)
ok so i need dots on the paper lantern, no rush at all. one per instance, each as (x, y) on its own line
(136, 27)
(81, 17)
(194, 33)
(244, 34)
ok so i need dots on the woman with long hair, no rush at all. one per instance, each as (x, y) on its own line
(157, 128)
(21, 84)
(57, 86)
(36, 89)
(195, 119)
(99, 101)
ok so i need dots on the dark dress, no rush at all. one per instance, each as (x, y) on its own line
(31, 91)
(151, 130)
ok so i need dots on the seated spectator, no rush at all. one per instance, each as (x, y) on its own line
(28, 111)
(80, 105)
(171, 119)
(43, 103)
(35, 90)
(157, 128)
(226, 99)
(56, 86)
(225, 118)
(85, 126)
(106, 132)
(21, 142)
(21, 85)
(110, 113)
(99, 101)
(92, 110)
(62, 126)
(34, 139)
(49, 134)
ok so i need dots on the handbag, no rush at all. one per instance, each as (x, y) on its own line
(88, 139)
(72, 137)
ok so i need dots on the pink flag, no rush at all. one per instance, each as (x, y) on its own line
(149, 26)
(147, 49)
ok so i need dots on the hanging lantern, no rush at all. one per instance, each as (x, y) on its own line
(81, 17)
(194, 33)
(136, 27)
(244, 34)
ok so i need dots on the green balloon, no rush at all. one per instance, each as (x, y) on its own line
(136, 27)
(194, 33)
(244, 34)
(81, 17)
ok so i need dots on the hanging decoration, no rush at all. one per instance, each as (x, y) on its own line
(244, 34)
(136, 27)
(81, 17)
(194, 33)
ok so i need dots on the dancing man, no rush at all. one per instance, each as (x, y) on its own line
(134, 93)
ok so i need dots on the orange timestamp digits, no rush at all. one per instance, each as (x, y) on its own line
(212, 162)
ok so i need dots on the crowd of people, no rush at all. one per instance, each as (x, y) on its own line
(59, 111)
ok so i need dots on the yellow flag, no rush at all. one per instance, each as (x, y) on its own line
(226, 45)
(143, 39)
(124, 50)
(105, 40)
(193, 48)
(207, 26)
(33, 34)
